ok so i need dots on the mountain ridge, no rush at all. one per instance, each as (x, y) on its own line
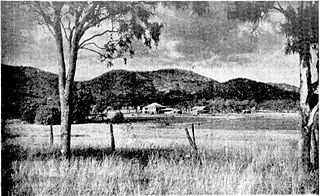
(124, 87)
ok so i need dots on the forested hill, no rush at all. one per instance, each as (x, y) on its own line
(26, 86)
(168, 79)
(165, 80)
(248, 89)
(286, 87)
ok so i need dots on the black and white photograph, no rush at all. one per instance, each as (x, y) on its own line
(159, 98)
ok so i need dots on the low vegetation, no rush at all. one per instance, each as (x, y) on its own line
(262, 169)
(118, 118)
(46, 115)
(238, 160)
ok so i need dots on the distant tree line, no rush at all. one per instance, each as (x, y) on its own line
(135, 93)
(185, 100)
(46, 111)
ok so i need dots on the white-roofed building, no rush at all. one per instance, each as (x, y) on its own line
(200, 110)
(153, 108)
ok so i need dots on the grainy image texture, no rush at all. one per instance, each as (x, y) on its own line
(159, 98)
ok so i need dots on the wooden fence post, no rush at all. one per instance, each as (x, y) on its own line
(51, 134)
(113, 148)
(193, 145)
(193, 135)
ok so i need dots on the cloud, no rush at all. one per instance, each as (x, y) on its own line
(212, 45)
(171, 51)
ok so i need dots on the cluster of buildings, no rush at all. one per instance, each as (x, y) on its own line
(156, 108)
(151, 109)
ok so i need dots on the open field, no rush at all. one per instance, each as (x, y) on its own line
(238, 154)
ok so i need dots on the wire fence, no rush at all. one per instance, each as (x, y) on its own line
(167, 129)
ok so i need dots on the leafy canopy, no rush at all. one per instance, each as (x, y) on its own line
(301, 26)
(119, 22)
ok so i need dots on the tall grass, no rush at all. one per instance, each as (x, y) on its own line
(258, 169)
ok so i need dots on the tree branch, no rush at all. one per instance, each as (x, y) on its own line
(65, 31)
(280, 7)
(95, 23)
(71, 30)
(254, 28)
(49, 27)
(40, 11)
(313, 115)
(89, 49)
(92, 43)
(47, 21)
(86, 16)
(97, 35)
(77, 15)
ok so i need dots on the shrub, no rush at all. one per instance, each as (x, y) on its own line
(118, 118)
(29, 113)
(81, 104)
(280, 105)
(46, 113)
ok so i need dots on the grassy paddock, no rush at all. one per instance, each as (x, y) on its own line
(228, 162)
(264, 169)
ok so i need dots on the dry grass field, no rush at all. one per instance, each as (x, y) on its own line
(238, 154)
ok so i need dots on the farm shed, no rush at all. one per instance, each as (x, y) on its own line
(171, 111)
(200, 110)
(153, 108)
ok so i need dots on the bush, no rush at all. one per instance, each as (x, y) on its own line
(29, 113)
(281, 105)
(81, 104)
(118, 118)
(46, 113)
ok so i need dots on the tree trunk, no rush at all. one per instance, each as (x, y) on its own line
(64, 100)
(113, 146)
(65, 84)
(65, 127)
(313, 122)
(305, 93)
(51, 134)
(314, 151)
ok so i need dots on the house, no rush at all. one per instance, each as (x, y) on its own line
(246, 111)
(153, 108)
(200, 110)
(171, 111)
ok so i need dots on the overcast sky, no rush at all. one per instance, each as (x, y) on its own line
(212, 46)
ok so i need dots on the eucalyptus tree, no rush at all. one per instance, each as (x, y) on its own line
(76, 26)
(302, 32)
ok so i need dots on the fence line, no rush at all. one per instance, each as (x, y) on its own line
(198, 123)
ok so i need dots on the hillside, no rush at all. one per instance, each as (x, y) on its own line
(248, 89)
(286, 87)
(173, 79)
(23, 87)
(162, 80)
(121, 87)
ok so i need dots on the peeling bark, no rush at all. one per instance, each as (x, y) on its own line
(305, 92)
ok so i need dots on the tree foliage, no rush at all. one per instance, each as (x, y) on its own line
(120, 22)
(247, 11)
(301, 26)
(47, 114)
(82, 102)
(118, 118)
